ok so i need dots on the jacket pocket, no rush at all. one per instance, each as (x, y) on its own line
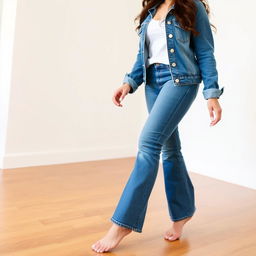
(181, 34)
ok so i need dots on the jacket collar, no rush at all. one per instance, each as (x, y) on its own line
(152, 10)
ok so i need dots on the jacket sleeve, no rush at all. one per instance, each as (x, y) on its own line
(204, 51)
(135, 77)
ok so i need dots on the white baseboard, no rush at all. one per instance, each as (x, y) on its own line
(10, 161)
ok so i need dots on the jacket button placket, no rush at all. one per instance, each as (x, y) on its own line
(170, 47)
(144, 56)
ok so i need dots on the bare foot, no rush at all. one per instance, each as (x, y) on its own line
(175, 231)
(113, 237)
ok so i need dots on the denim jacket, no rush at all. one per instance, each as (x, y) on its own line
(191, 58)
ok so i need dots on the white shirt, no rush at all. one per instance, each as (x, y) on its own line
(156, 42)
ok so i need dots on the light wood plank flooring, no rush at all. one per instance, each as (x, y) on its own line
(60, 210)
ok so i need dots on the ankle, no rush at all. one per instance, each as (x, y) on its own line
(184, 219)
(120, 228)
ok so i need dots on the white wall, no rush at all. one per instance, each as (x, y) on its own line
(7, 33)
(227, 150)
(69, 57)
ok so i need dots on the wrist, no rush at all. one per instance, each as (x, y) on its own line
(128, 85)
(214, 98)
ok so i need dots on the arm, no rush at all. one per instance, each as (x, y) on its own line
(204, 50)
(135, 77)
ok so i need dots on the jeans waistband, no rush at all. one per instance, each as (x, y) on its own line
(158, 74)
(158, 65)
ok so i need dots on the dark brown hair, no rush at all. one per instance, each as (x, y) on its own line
(184, 11)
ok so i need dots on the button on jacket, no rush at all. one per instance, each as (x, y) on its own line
(191, 58)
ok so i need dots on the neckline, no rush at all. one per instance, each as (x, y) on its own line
(165, 15)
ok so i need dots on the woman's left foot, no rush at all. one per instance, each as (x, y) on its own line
(175, 231)
(113, 237)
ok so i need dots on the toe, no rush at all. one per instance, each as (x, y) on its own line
(168, 234)
(107, 249)
(94, 246)
(101, 248)
(97, 246)
(173, 237)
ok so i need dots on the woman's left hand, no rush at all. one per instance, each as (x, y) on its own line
(214, 108)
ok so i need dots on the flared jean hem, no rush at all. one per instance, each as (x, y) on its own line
(181, 218)
(125, 225)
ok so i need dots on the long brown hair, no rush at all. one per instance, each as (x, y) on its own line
(184, 11)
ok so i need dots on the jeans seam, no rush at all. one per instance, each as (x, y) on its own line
(175, 111)
(141, 211)
(144, 192)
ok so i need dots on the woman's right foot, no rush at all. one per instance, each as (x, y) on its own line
(113, 237)
(175, 231)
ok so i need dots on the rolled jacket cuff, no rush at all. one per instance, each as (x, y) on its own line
(212, 93)
(127, 79)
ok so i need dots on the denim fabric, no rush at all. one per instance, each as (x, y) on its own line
(191, 58)
(166, 104)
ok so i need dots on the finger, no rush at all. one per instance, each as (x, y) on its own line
(123, 95)
(218, 117)
(115, 98)
(211, 113)
(214, 121)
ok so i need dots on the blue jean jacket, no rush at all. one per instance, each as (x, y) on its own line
(191, 58)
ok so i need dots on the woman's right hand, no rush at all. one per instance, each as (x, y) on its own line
(120, 93)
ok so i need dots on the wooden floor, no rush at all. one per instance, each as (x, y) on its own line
(60, 210)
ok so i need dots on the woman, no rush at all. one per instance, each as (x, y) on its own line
(176, 52)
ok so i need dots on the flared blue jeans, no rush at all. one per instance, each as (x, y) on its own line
(167, 104)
